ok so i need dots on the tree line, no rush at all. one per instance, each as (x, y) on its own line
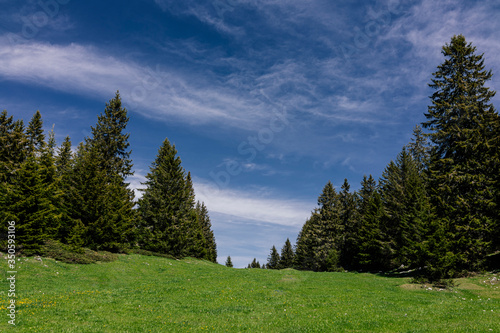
(435, 208)
(81, 198)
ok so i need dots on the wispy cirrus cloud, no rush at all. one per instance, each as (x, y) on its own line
(157, 93)
(253, 205)
(428, 25)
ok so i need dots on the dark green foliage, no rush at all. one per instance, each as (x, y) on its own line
(84, 200)
(30, 204)
(96, 193)
(110, 141)
(100, 202)
(349, 219)
(419, 148)
(304, 253)
(287, 255)
(13, 144)
(436, 208)
(274, 259)
(64, 158)
(463, 128)
(254, 264)
(75, 255)
(229, 263)
(34, 134)
(28, 178)
(321, 237)
(208, 234)
(168, 222)
(372, 251)
(12, 154)
(407, 210)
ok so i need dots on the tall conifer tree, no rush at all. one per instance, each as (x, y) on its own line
(349, 218)
(229, 262)
(98, 194)
(208, 234)
(407, 210)
(462, 128)
(274, 259)
(34, 133)
(318, 244)
(287, 255)
(166, 209)
(371, 249)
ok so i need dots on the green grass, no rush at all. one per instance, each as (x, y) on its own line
(149, 294)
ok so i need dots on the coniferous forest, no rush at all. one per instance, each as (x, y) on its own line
(434, 210)
(81, 199)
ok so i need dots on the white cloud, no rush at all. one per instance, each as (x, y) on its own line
(156, 93)
(253, 206)
(135, 183)
(428, 25)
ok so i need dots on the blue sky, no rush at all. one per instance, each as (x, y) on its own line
(265, 100)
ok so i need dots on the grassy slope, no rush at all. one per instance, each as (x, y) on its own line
(150, 294)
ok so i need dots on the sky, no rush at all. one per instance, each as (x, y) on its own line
(265, 101)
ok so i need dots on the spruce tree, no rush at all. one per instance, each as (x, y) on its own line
(287, 255)
(273, 259)
(407, 210)
(13, 153)
(206, 226)
(419, 148)
(371, 249)
(319, 242)
(32, 197)
(331, 232)
(30, 204)
(13, 146)
(349, 219)
(110, 141)
(165, 209)
(254, 264)
(307, 242)
(463, 127)
(64, 158)
(98, 194)
(229, 262)
(34, 133)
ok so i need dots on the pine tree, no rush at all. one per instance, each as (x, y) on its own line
(229, 263)
(273, 259)
(287, 255)
(462, 123)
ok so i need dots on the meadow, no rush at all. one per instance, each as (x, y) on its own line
(139, 293)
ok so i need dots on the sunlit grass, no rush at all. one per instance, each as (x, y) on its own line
(150, 294)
